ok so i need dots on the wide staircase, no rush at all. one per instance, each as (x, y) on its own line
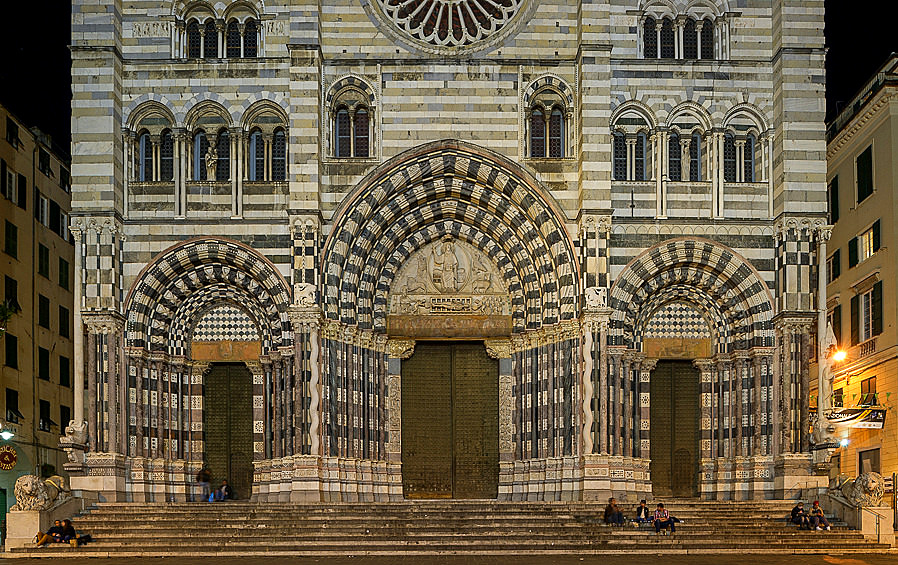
(438, 527)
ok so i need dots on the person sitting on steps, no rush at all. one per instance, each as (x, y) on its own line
(800, 518)
(613, 514)
(817, 518)
(54, 534)
(224, 492)
(643, 515)
(662, 519)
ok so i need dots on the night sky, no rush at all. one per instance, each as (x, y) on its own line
(35, 66)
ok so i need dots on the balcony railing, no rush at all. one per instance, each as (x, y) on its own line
(866, 348)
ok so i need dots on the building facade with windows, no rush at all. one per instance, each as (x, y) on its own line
(861, 149)
(420, 248)
(36, 265)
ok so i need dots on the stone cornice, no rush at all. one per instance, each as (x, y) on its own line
(857, 123)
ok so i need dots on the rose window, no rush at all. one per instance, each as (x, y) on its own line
(450, 23)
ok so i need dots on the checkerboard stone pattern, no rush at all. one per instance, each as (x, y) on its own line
(677, 320)
(225, 323)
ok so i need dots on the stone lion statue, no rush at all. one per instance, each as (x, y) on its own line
(34, 493)
(866, 490)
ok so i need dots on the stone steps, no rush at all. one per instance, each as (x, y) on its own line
(437, 527)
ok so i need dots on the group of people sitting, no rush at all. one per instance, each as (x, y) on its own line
(222, 493)
(661, 518)
(62, 531)
(812, 520)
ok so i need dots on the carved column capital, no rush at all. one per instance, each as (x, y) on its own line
(401, 348)
(104, 323)
(703, 365)
(648, 365)
(498, 348)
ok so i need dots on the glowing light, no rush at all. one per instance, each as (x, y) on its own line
(6, 435)
(839, 356)
(843, 443)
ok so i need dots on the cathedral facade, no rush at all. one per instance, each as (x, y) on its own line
(386, 249)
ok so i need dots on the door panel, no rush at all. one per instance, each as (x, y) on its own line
(227, 414)
(450, 422)
(674, 428)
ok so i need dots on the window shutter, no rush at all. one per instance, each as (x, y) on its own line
(876, 307)
(837, 323)
(876, 236)
(837, 265)
(852, 252)
(865, 174)
(855, 321)
(834, 200)
(3, 177)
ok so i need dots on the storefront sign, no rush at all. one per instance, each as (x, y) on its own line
(8, 457)
(858, 417)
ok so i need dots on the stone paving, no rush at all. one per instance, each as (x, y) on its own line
(709, 559)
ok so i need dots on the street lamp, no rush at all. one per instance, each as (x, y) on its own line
(6, 435)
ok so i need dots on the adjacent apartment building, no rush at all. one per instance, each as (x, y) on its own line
(862, 143)
(37, 268)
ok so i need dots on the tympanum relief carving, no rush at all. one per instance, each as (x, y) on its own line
(449, 288)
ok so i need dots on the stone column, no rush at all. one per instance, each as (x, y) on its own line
(614, 395)
(92, 386)
(626, 402)
(397, 350)
(706, 486)
(77, 424)
(500, 349)
(645, 412)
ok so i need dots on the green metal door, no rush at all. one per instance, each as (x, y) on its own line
(227, 415)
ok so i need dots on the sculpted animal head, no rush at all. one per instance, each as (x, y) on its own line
(31, 493)
(866, 490)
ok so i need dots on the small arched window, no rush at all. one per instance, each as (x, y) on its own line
(649, 39)
(200, 148)
(210, 40)
(690, 40)
(695, 158)
(145, 173)
(166, 156)
(194, 41)
(620, 156)
(343, 131)
(250, 39)
(360, 133)
(729, 158)
(279, 156)
(639, 156)
(667, 39)
(556, 134)
(674, 170)
(537, 134)
(233, 43)
(707, 46)
(256, 156)
(749, 159)
(223, 163)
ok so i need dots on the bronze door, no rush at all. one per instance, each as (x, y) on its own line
(675, 429)
(227, 423)
(450, 422)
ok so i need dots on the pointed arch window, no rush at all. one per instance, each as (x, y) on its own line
(223, 163)
(556, 134)
(250, 39)
(194, 41)
(233, 41)
(674, 168)
(256, 156)
(620, 156)
(537, 134)
(667, 39)
(342, 129)
(200, 147)
(707, 43)
(695, 158)
(166, 156)
(210, 40)
(279, 156)
(360, 133)
(748, 161)
(690, 40)
(729, 158)
(649, 39)
(145, 174)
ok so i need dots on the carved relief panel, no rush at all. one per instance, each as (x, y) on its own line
(449, 288)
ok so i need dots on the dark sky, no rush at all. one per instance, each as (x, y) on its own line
(35, 65)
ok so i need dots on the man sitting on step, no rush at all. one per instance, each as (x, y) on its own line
(817, 518)
(662, 520)
(800, 518)
(643, 514)
(613, 513)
